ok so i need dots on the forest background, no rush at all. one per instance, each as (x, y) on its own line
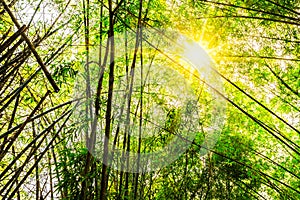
(80, 79)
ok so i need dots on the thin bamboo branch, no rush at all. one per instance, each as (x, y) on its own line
(252, 17)
(251, 9)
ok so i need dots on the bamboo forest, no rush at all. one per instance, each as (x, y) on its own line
(150, 99)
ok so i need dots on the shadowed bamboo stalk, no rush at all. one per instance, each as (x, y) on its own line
(108, 113)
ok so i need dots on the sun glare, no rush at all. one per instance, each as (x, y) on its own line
(196, 55)
(194, 59)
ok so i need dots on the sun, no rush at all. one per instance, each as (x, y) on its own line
(191, 59)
